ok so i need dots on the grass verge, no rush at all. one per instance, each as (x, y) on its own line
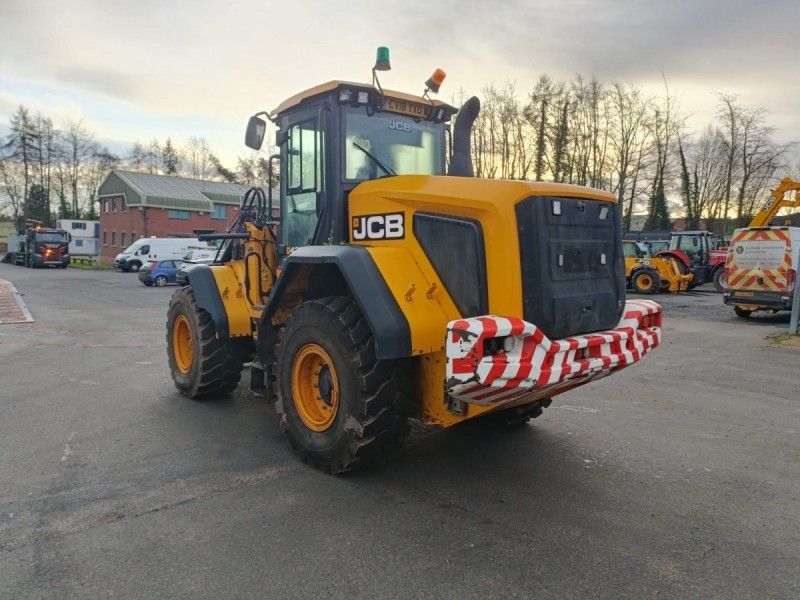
(91, 266)
(785, 339)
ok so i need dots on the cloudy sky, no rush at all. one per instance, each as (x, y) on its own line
(144, 69)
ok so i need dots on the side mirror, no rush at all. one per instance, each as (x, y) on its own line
(254, 136)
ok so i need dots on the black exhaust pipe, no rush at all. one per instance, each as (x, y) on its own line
(461, 163)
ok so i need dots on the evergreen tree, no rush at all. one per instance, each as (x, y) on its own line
(37, 206)
(21, 145)
(658, 213)
(222, 171)
(63, 209)
(170, 158)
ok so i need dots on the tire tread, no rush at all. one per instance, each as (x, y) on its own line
(382, 423)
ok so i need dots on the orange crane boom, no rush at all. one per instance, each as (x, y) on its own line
(776, 202)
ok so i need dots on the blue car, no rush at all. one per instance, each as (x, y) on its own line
(160, 272)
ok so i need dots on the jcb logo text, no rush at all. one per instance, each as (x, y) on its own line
(379, 227)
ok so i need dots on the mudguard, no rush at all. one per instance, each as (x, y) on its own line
(207, 296)
(679, 255)
(389, 325)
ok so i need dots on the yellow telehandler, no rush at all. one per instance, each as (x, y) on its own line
(390, 289)
(648, 274)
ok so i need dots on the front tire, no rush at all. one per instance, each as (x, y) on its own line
(134, 266)
(337, 403)
(200, 363)
(646, 282)
(161, 280)
(719, 280)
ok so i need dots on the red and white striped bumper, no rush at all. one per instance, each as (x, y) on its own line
(535, 365)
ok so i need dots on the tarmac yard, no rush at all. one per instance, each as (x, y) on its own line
(675, 478)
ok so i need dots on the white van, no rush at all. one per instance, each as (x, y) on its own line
(761, 269)
(201, 256)
(151, 248)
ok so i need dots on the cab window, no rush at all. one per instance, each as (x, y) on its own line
(381, 144)
(690, 244)
(629, 249)
(304, 184)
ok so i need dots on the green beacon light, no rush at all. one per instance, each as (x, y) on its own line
(382, 59)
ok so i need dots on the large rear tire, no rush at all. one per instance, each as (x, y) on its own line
(337, 403)
(200, 363)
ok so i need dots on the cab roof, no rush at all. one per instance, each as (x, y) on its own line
(329, 86)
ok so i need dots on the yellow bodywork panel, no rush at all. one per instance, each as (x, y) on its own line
(420, 294)
(232, 292)
(414, 283)
(430, 392)
(671, 278)
(490, 202)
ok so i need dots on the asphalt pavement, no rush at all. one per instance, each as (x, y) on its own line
(675, 478)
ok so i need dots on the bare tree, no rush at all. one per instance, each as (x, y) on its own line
(198, 158)
(664, 126)
(138, 158)
(97, 167)
(728, 114)
(537, 115)
(152, 162)
(759, 158)
(703, 175)
(629, 140)
(12, 184)
(47, 151)
(79, 147)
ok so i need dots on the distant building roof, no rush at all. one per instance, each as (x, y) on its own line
(169, 191)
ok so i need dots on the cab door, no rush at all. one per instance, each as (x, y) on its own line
(303, 182)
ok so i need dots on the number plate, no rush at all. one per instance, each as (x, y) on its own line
(744, 294)
(404, 107)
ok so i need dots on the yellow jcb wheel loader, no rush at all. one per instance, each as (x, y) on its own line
(388, 289)
(647, 274)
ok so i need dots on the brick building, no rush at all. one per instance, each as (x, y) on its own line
(134, 205)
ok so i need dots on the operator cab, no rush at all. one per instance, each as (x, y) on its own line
(332, 137)
(696, 244)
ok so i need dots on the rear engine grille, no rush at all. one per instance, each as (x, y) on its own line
(573, 270)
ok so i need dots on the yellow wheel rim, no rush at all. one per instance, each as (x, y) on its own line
(645, 281)
(182, 347)
(315, 387)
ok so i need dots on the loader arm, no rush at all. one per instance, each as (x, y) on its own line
(776, 202)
